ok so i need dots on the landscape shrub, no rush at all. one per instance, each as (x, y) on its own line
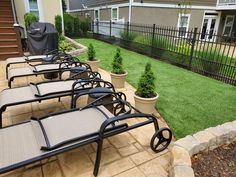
(58, 23)
(91, 52)
(146, 84)
(117, 63)
(128, 36)
(84, 26)
(30, 18)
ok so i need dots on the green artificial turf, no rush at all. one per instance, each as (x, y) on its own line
(188, 101)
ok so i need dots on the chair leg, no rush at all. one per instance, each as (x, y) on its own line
(0, 119)
(98, 157)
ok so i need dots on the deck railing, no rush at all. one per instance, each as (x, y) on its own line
(226, 2)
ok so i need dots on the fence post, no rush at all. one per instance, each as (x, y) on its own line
(110, 28)
(193, 41)
(153, 37)
(127, 29)
(97, 26)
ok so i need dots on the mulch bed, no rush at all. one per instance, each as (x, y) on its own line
(220, 162)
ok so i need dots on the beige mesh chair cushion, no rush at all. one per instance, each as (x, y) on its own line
(46, 67)
(30, 93)
(32, 70)
(23, 142)
(47, 88)
(15, 60)
(18, 144)
(71, 125)
(19, 72)
(16, 95)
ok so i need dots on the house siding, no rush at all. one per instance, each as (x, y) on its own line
(105, 14)
(49, 9)
(20, 11)
(146, 15)
(77, 4)
(192, 2)
(124, 13)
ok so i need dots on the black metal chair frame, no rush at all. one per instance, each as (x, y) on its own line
(78, 86)
(64, 65)
(104, 132)
(56, 55)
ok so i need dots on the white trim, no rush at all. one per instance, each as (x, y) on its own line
(113, 19)
(102, 7)
(40, 8)
(229, 7)
(227, 16)
(151, 5)
(130, 10)
(97, 9)
(217, 24)
(178, 24)
(171, 6)
(62, 17)
(27, 8)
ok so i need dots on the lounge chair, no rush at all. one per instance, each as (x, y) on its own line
(46, 68)
(48, 90)
(48, 57)
(39, 138)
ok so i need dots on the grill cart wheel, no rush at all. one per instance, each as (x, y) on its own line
(161, 139)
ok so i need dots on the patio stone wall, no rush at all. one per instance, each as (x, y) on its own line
(81, 48)
(205, 140)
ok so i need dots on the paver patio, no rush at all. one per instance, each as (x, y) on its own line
(124, 155)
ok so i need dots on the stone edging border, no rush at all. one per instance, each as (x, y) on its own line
(81, 47)
(205, 140)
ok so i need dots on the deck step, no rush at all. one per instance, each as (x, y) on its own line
(6, 17)
(9, 48)
(5, 55)
(8, 35)
(6, 23)
(7, 42)
(6, 11)
(6, 30)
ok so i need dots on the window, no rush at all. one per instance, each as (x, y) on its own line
(114, 13)
(33, 5)
(229, 22)
(96, 15)
(183, 24)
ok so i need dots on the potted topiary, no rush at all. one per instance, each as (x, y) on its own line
(92, 61)
(118, 74)
(145, 97)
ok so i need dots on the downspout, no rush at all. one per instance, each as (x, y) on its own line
(130, 10)
(62, 18)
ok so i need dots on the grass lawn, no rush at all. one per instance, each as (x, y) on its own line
(188, 101)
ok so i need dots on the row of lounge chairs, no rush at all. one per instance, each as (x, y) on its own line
(104, 116)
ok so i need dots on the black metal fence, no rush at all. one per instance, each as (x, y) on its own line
(205, 53)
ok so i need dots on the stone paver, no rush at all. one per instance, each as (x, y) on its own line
(125, 155)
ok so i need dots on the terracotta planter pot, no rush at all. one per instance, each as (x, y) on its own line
(145, 105)
(94, 64)
(118, 80)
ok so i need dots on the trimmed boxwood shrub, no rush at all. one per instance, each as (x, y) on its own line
(91, 53)
(146, 83)
(117, 63)
(58, 23)
(30, 18)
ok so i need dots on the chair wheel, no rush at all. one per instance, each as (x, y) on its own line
(161, 140)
